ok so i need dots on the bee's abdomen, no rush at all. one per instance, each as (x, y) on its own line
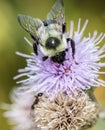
(48, 22)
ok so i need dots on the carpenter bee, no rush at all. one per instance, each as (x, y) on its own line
(36, 100)
(49, 35)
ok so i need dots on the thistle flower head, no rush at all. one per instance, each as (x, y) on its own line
(80, 72)
(62, 112)
(72, 65)
(65, 112)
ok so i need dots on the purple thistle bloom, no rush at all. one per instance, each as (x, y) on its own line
(52, 96)
(78, 73)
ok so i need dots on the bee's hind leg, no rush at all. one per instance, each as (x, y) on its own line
(35, 48)
(72, 46)
(63, 27)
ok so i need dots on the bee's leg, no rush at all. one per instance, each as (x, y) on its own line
(32, 107)
(35, 44)
(35, 48)
(72, 45)
(45, 58)
(63, 27)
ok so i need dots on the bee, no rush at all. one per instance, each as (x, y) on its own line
(49, 35)
(36, 100)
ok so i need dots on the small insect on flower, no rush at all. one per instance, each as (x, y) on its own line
(36, 100)
(49, 35)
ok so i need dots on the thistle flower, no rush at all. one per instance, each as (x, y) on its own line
(63, 104)
(63, 112)
(78, 73)
(66, 112)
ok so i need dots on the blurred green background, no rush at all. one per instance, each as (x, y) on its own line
(11, 38)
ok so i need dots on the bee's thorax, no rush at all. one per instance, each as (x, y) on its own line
(52, 43)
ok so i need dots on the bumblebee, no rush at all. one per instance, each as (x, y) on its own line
(36, 100)
(49, 35)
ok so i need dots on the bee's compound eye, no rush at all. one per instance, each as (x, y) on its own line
(52, 43)
(40, 94)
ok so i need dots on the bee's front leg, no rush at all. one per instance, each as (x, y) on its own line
(45, 58)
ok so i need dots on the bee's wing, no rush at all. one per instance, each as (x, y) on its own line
(57, 12)
(30, 24)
